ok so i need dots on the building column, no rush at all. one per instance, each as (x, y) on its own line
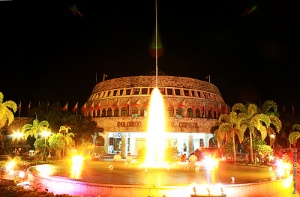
(190, 144)
(124, 145)
(184, 112)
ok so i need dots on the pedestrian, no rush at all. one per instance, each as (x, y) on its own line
(183, 157)
(117, 157)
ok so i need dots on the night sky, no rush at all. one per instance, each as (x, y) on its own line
(52, 52)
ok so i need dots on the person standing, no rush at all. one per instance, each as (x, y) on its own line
(183, 157)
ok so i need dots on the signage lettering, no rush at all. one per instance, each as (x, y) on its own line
(129, 124)
(171, 124)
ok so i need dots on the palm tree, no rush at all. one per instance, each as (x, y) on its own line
(67, 137)
(6, 111)
(35, 128)
(88, 130)
(68, 119)
(253, 121)
(294, 135)
(288, 120)
(269, 108)
(6, 115)
(230, 125)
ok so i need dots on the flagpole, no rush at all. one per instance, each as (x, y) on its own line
(208, 77)
(156, 59)
(20, 106)
(96, 76)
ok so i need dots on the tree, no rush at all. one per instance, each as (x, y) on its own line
(67, 137)
(269, 108)
(58, 118)
(35, 128)
(89, 130)
(254, 121)
(230, 126)
(56, 143)
(288, 120)
(294, 135)
(7, 108)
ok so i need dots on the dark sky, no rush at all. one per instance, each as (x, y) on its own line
(52, 50)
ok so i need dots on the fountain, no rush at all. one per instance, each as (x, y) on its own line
(156, 140)
(158, 178)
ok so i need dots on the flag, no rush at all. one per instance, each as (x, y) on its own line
(127, 104)
(97, 106)
(138, 102)
(29, 105)
(91, 107)
(182, 104)
(19, 108)
(65, 108)
(83, 108)
(75, 108)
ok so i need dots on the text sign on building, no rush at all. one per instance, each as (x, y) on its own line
(172, 124)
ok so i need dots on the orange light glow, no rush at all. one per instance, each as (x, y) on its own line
(77, 162)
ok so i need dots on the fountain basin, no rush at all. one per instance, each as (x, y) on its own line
(133, 182)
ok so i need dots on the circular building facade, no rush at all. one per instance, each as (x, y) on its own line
(120, 106)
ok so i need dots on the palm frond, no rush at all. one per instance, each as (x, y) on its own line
(267, 105)
(293, 137)
(252, 110)
(296, 127)
(239, 107)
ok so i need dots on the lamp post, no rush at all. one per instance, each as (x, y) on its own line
(45, 134)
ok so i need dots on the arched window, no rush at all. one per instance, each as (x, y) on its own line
(190, 113)
(171, 111)
(197, 113)
(98, 112)
(109, 112)
(100, 141)
(144, 112)
(124, 111)
(116, 112)
(179, 112)
(103, 113)
(209, 114)
(135, 112)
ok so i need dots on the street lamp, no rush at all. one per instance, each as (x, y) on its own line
(45, 134)
(17, 135)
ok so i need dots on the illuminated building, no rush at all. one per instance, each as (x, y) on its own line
(120, 106)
